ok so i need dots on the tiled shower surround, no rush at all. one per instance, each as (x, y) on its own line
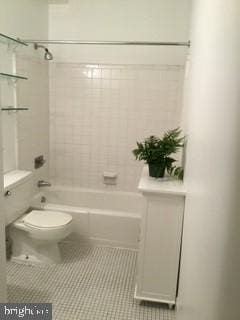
(98, 112)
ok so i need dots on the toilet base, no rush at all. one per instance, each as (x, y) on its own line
(30, 251)
(38, 256)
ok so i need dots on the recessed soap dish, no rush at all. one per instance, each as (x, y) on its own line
(109, 177)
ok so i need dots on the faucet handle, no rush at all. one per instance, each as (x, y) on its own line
(43, 183)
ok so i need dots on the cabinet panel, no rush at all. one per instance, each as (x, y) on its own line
(159, 252)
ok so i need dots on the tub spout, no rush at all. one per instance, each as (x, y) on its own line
(43, 183)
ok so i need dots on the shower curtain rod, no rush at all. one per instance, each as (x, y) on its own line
(119, 43)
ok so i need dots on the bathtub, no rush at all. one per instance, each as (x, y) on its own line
(100, 217)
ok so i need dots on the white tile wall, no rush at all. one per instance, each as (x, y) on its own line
(98, 112)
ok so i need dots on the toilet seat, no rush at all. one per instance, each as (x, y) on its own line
(46, 219)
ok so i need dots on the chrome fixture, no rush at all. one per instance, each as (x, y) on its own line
(121, 43)
(8, 193)
(47, 55)
(43, 183)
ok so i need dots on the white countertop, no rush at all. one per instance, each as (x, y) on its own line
(166, 185)
(15, 177)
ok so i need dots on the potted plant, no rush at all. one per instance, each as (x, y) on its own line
(156, 153)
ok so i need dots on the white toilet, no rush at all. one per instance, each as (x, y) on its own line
(36, 235)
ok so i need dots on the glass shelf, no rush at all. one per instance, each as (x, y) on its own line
(11, 41)
(12, 76)
(14, 109)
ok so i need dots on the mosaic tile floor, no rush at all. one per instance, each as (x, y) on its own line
(92, 283)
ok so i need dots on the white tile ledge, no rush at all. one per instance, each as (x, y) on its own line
(15, 177)
(166, 185)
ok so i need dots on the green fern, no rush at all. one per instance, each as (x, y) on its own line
(154, 150)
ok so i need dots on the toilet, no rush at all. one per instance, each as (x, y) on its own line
(36, 235)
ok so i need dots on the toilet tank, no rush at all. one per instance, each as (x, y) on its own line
(18, 192)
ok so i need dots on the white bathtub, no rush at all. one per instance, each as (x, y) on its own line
(110, 218)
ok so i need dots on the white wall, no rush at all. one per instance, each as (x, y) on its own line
(8, 98)
(209, 279)
(152, 20)
(24, 19)
(33, 125)
(26, 134)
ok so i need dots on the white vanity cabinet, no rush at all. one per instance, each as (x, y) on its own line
(160, 240)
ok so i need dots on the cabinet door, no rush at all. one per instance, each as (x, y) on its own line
(160, 248)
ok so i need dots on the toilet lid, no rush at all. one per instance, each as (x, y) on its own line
(47, 219)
